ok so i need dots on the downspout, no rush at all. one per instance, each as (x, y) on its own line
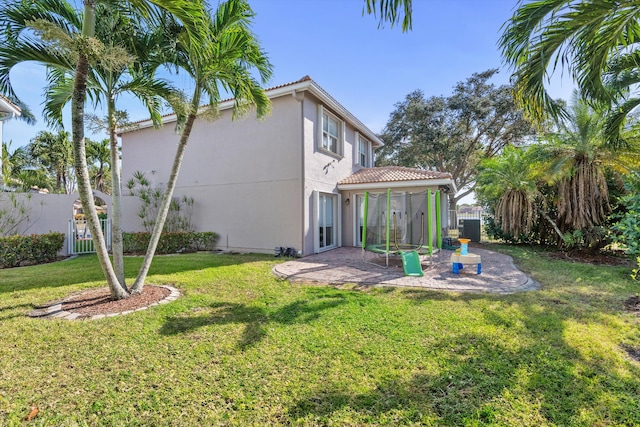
(300, 98)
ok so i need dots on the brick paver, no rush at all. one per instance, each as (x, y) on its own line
(351, 265)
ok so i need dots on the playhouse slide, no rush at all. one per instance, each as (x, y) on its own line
(411, 264)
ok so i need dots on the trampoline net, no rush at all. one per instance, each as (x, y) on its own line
(408, 226)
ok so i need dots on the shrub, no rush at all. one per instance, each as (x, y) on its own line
(170, 243)
(34, 249)
(627, 229)
(180, 209)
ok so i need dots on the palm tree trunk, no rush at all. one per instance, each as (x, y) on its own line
(166, 200)
(553, 224)
(117, 248)
(80, 158)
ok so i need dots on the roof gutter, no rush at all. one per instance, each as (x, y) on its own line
(10, 111)
(448, 183)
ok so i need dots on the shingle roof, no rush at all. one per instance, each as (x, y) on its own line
(392, 174)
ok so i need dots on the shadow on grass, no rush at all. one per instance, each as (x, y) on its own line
(255, 318)
(5, 311)
(480, 379)
(539, 375)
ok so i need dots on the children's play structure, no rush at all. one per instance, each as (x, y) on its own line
(402, 223)
(462, 258)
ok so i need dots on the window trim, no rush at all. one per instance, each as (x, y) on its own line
(339, 153)
(367, 151)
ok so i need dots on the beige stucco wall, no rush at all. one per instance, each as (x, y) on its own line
(47, 212)
(245, 175)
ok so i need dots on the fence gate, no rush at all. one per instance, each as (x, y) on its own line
(80, 241)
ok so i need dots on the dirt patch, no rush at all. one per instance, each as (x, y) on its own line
(632, 303)
(632, 352)
(98, 301)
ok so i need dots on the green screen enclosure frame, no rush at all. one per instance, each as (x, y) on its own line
(387, 243)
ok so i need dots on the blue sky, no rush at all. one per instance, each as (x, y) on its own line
(366, 69)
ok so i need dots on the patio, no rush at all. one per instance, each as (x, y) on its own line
(346, 265)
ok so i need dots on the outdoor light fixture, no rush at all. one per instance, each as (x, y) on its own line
(346, 202)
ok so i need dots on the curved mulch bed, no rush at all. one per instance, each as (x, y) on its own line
(96, 303)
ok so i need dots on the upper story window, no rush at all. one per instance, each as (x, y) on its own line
(331, 135)
(363, 152)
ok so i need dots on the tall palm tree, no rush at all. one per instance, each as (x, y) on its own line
(193, 16)
(596, 40)
(60, 45)
(106, 82)
(226, 64)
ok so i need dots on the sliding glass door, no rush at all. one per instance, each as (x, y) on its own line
(327, 214)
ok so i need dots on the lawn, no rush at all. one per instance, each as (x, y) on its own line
(243, 348)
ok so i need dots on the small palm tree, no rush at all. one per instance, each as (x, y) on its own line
(508, 182)
(99, 155)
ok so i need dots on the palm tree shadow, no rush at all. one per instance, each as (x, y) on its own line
(252, 317)
(474, 369)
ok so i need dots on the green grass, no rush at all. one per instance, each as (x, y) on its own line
(243, 348)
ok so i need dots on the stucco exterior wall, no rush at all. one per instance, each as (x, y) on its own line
(245, 175)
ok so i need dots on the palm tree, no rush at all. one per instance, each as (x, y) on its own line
(19, 170)
(99, 153)
(575, 160)
(594, 39)
(58, 44)
(228, 59)
(392, 11)
(508, 182)
(106, 82)
(54, 153)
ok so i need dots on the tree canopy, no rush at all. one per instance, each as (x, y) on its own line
(454, 133)
(594, 40)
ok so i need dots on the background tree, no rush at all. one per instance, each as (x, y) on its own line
(453, 134)
(20, 172)
(99, 159)
(54, 153)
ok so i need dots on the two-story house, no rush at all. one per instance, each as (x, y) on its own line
(294, 179)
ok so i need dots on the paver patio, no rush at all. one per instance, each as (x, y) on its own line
(346, 265)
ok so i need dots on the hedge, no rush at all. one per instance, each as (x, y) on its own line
(34, 249)
(170, 243)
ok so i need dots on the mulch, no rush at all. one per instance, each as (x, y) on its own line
(98, 301)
